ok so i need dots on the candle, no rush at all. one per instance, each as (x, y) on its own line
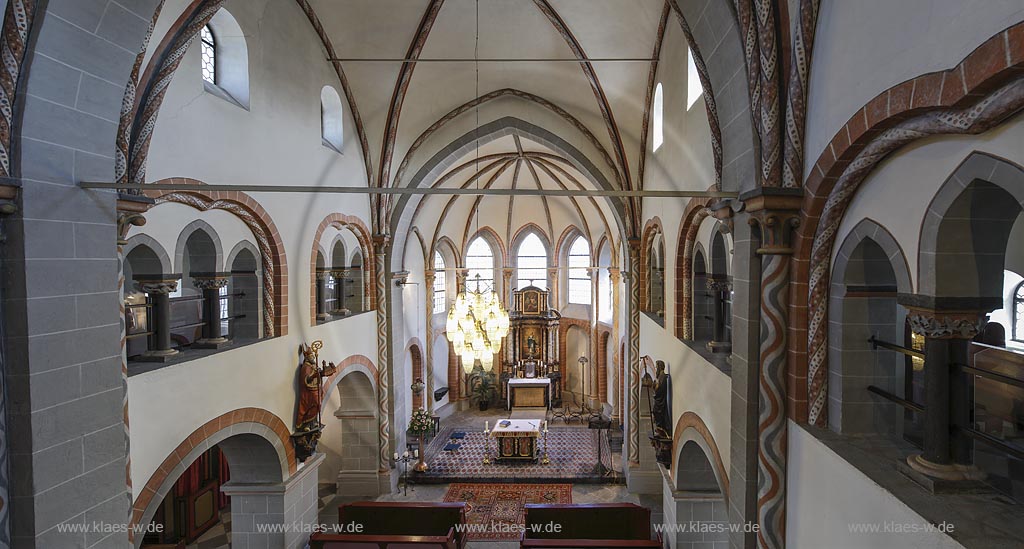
(416, 453)
(405, 453)
(545, 425)
(487, 426)
(396, 456)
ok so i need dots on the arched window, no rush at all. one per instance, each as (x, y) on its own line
(1018, 313)
(532, 263)
(480, 261)
(209, 55)
(694, 89)
(579, 277)
(659, 118)
(332, 129)
(440, 287)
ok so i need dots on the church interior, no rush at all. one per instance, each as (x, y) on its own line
(696, 274)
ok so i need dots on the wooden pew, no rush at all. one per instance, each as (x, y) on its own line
(588, 526)
(396, 525)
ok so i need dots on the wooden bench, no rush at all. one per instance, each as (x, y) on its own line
(587, 526)
(393, 525)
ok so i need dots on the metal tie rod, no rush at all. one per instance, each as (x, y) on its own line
(492, 60)
(408, 190)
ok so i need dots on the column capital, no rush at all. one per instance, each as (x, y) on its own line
(380, 241)
(338, 273)
(322, 274)
(158, 284)
(129, 214)
(718, 283)
(776, 212)
(210, 280)
(939, 324)
(723, 211)
(614, 274)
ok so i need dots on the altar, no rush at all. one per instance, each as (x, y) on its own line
(517, 438)
(529, 392)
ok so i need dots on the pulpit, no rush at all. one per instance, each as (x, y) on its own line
(531, 351)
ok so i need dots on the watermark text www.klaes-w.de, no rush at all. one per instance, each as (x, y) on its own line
(894, 527)
(100, 527)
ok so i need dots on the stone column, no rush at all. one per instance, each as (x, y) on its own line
(506, 286)
(720, 288)
(633, 354)
(380, 247)
(428, 332)
(321, 296)
(158, 288)
(775, 213)
(595, 345)
(210, 284)
(267, 506)
(614, 279)
(947, 337)
(339, 293)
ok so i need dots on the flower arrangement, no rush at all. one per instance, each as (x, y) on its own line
(420, 422)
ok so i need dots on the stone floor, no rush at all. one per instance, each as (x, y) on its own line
(985, 519)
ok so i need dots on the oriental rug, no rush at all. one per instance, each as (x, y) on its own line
(495, 511)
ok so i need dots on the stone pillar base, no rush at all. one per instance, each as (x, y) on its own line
(157, 356)
(293, 503)
(211, 343)
(943, 479)
(719, 346)
(642, 480)
(358, 483)
(341, 312)
(693, 507)
(323, 317)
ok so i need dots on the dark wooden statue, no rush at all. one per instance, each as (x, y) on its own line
(307, 417)
(661, 415)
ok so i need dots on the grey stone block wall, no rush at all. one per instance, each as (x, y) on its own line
(269, 516)
(745, 349)
(60, 267)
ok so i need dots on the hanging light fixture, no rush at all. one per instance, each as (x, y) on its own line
(477, 322)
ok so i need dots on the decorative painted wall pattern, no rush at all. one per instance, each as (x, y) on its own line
(973, 119)
(633, 356)
(709, 95)
(268, 254)
(17, 23)
(652, 79)
(398, 99)
(383, 355)
(771, 447)
(345, 87)
(602, 101)
(18, 19)
(124, 128)
(155, 88)
(684, 273)
(796, 97)
(748, 32)
(771, 148)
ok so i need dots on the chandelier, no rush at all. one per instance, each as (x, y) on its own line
(476, 323)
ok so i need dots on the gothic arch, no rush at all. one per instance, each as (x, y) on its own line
(197, 225)
(144, 240)
(363, 237)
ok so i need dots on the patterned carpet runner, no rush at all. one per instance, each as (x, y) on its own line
(572, 452)
(495, 511)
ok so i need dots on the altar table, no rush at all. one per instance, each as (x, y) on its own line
(529, 392)
(517, 438)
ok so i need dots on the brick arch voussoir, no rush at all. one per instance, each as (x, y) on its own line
(692, 421)
(363, 236)
(175, 459)
(979, 92)
(273, 263)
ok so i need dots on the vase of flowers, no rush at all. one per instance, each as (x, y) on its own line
(420, 424)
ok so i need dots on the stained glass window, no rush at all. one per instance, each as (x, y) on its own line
(209, 55)
(579, 277)
(532, 263)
